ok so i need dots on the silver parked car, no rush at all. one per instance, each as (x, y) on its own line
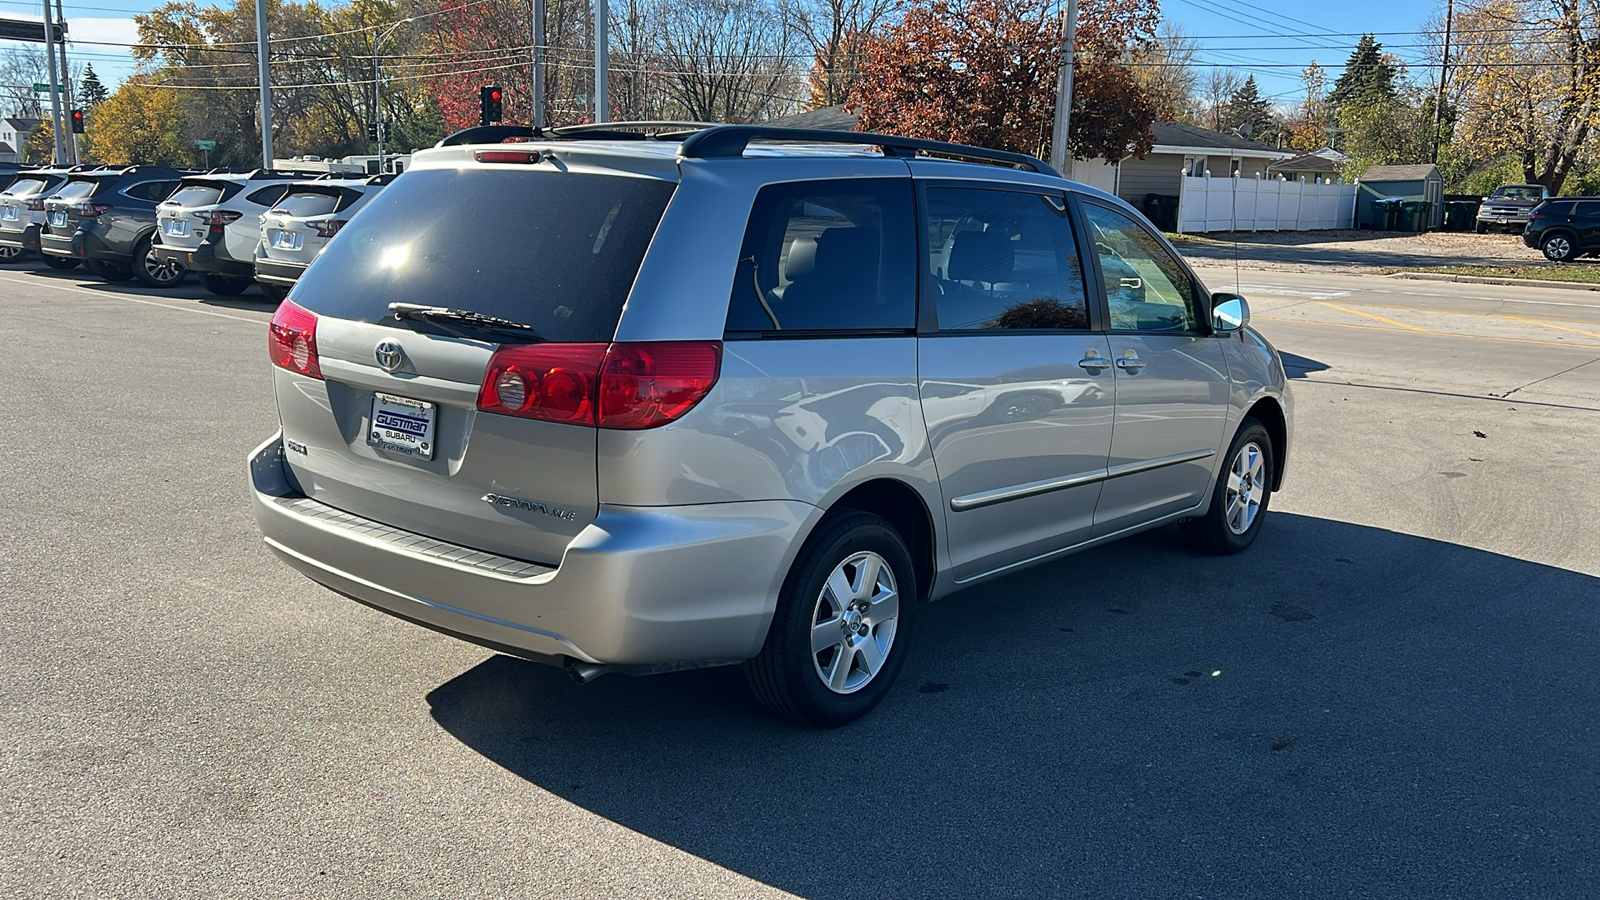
(640, 405)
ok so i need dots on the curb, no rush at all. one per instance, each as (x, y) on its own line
(1514, 282)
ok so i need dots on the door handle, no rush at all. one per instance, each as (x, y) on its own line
(1130, 363)
(1094, 362)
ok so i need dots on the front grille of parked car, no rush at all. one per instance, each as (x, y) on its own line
(1508, 210)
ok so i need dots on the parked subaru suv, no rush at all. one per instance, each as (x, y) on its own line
(22, 215)
(212, 223)
(107, 219)
(300, 224)
(746, 395)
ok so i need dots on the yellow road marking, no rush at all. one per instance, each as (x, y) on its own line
(1551, 325)
(1356, 312)
(1452, 334)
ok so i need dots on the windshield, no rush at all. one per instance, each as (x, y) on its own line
(555, 250)
(76, 190)
(1518, 192)
(24, 187)
(195, 195)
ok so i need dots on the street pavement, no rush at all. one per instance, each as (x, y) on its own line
(1391, 695)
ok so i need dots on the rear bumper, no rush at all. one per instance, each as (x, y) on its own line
(208, 257)
(83, 243)
(25, 238)
(641, 586)
(273, 271)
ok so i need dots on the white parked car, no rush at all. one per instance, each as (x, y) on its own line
(22, 215)
(212, 224)
(299, 225)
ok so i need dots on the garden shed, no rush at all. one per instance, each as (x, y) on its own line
(1406, 183)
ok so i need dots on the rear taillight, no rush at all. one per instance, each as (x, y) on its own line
(328, 227)
(218, 217)
(88, 209)
(36, 204)
(625, 386)
(292, 340)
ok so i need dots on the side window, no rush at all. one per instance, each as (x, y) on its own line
(1002, 260)
(152, 190)
(827, 256)
(1588, 209)
(1146, 288)
(268, 195)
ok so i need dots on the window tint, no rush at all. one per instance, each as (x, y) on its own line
(555, 250)
(195, 195)
(1146, 288)
(827, 256)
(1556, 207)
(77, 190)
(151, 190)
(1002, 260)
(268, 195)
(307, 203)
(1587, 208)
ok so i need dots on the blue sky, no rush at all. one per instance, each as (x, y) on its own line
(1271, 40)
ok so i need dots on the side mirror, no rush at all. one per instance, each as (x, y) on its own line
(1229, 313)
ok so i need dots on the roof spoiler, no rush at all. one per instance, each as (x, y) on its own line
(667, 129)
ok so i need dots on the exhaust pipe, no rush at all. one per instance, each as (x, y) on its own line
(585, 672)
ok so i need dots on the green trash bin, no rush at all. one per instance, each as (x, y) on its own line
(1461, 215)
(1415, 215)
(1384, 213)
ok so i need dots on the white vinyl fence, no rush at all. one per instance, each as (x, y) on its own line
(1263, 204)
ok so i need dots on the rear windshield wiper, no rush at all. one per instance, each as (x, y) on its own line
(444, 314)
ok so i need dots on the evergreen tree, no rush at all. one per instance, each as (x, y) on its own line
(91, 92)
(1367, 77)
(1246, 107)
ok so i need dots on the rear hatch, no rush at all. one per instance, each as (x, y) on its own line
(394, 432)
(64, 209)
(186, 217)
(23, 202)
(301, 224)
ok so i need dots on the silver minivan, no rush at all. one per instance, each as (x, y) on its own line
(746, 396)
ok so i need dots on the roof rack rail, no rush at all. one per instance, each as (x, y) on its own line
(669, 129)
(726, 141)
(486, 134)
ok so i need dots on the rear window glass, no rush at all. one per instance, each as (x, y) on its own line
(196, 195)
(24, 187)
(555, 250)
(77, 190)
(268, 195)
(307, 203)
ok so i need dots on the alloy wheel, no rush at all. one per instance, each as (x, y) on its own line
(854, 621)
(163, 271)
(1558, 248)
(1246, 488)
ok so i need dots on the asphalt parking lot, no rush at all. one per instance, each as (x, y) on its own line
(1390, 695)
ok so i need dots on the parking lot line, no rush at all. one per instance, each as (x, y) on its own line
(107, 295)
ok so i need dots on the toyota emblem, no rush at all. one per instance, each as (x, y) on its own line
(390, 356)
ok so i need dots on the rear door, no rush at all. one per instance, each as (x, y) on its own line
(61, 208)
(1171, 376)
(1016, 384)
(178, 217)
(556, 250)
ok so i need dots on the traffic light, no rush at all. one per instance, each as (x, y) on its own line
(77, 121)
(374, 130)
(491, 105)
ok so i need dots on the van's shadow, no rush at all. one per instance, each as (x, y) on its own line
(1342, 710)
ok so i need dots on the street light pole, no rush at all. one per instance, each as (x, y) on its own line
(377, 96)
(266, 84)
(538, 63)
(602, 61)
(1058, 136)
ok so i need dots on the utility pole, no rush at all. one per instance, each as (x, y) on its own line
(602, 60)
(66, 81)
(1059, 157)
(266, 84)
(1444, 70)
(55, 93)
(537, 90)
(377, 96)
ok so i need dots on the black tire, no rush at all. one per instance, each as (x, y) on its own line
(1480, 228)
(275, 292)
(1212, 532)
(110, 271)
(1558, 247)
(787, 676)
(153, 272)
(10, 254)
(225, 285)
(59, 262)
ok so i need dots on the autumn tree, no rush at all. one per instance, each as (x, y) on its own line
(835, 32)
(140, 124)
(1306, 128)
(730, 60)
(1165, 71)
(478, 42)
(1529, 78)
(1220, 86)
(984, 72)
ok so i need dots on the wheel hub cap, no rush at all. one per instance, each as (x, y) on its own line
(1246, 488)
(854, 621)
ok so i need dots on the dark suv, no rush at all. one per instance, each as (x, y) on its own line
(1565, 228)
(107, 219)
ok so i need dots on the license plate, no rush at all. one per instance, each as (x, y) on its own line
(402, 425)
(9, 213)
(286, 240)
(175, 227)
(58, 218)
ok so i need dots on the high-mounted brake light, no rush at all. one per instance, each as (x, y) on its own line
(508, 156)
(292, 340)
(623, 385)
(328, 227)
